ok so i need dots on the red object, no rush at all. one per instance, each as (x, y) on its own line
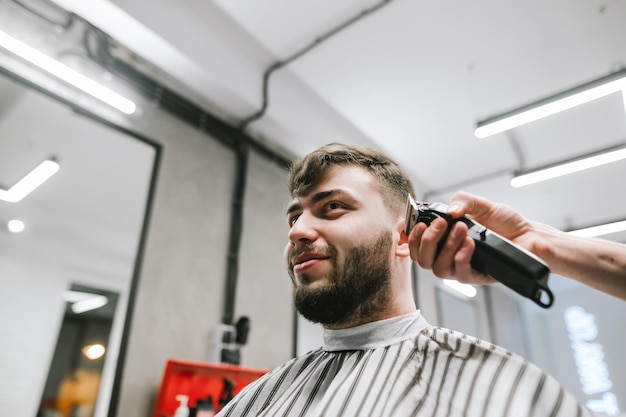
(198, 380)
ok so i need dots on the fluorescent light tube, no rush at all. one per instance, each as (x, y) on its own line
(600, 230)
(30, 182)
(570, 166)
(72, 296)
(84, 301)
(67, 74)
(556, 103)
(88, 304)
(464, 289)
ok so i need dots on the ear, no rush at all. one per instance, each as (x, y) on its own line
(402, 245)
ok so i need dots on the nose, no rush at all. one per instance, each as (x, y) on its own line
(304, 229)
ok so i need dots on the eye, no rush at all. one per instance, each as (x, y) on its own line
(292, 219)
(333, 205)
(333, 209)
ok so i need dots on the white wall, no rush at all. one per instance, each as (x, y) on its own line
(264, 288)
(181, 287)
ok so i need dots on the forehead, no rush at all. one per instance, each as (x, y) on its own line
(347, 175)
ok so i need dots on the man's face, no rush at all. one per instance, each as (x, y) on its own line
(340, 247)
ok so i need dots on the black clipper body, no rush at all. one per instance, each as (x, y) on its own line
(494, 255)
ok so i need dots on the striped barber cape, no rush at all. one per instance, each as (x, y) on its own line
(404, 367)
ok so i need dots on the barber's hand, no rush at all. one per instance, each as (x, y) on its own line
(454, 259)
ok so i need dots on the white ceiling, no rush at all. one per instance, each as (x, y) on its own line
(411, 78)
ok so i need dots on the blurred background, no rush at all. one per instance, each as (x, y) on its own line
(169, 127)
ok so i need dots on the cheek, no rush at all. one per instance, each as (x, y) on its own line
(288, 248)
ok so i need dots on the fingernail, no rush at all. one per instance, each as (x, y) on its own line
(454, 208)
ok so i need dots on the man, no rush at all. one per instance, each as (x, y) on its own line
(600, 264)
(349, 260)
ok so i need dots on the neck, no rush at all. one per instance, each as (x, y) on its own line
(362, 315)
(394, 299)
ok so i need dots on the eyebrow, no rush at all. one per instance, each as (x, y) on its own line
(315, 198)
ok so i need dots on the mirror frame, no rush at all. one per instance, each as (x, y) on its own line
(139, 256)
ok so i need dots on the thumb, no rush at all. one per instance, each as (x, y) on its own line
(464, 203)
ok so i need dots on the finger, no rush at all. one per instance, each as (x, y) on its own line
(464, 271)
(444, 266)
(470, 205)
(415, 239)
(459, 203)
(427, 251)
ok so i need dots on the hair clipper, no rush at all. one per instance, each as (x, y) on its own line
(494, 255)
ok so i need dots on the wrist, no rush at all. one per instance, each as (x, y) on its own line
(543, 244)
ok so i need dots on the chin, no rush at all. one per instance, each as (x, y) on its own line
(313, 283)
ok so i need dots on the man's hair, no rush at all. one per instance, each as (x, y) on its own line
(394, 183)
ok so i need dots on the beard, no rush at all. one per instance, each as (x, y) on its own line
(355, 289)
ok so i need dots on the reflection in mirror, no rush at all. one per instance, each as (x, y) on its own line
(71, 387)
(80, 226)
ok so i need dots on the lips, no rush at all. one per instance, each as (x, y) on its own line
(306, 260)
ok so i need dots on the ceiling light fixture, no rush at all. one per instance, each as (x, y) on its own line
(93, 351)
(67, 74)
(30, 181)
(15, 226)
(600, 230)
(564, 100)
(590, 160)
(82, 302)
(88, 304)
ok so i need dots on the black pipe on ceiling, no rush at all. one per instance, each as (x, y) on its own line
(280, 64)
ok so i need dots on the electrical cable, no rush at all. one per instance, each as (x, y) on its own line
(65, 25)
(280, 64)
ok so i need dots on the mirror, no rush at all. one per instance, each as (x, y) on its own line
(80, 231)
(76, 368)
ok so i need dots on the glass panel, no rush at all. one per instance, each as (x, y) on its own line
(80, 227)
(76, 370)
